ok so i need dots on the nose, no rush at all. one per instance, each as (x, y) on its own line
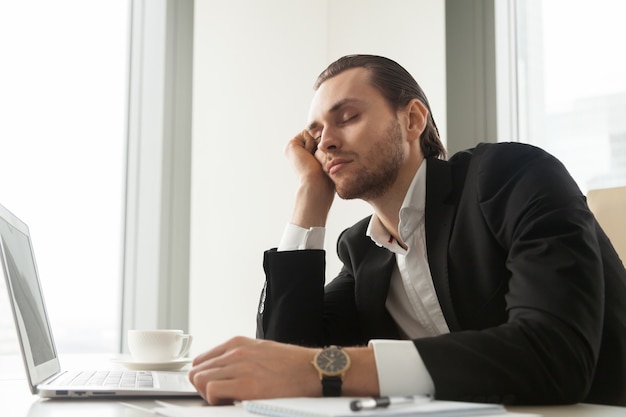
(328, 141)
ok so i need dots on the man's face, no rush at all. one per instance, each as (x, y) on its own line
(360, 141)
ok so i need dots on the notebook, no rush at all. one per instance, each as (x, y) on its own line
(340, 407)
(43, 368)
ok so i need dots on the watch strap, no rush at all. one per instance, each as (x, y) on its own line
(331, 386)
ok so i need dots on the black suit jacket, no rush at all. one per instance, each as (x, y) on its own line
(530, 286)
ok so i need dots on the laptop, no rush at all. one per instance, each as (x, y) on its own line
(43, 368)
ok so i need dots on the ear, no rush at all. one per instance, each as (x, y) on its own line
(417, 116)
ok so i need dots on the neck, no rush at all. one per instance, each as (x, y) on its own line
(387, 207)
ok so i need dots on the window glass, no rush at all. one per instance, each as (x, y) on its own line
(572, 85)
(63, 80)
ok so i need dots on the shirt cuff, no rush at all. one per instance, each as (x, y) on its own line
(401, 370)
(297, 238)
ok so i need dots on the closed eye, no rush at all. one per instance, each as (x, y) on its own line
(315, 133)
(348, 118)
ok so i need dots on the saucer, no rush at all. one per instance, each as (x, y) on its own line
(174, 365)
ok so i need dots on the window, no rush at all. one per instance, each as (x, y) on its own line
(62, 159)
(572, 85)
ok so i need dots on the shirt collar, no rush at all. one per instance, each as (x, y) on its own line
(411, 215)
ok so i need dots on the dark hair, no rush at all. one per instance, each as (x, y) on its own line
(397, 86)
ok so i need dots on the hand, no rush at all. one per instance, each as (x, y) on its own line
(244, 369)
(316, 190)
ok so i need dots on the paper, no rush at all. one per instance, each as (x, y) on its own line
(340, 407)
(321, 406)
(172, 410)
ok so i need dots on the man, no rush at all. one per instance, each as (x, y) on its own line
(481, 278)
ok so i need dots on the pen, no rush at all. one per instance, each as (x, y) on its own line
(382, 402)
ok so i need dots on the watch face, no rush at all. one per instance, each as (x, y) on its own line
(332, 361)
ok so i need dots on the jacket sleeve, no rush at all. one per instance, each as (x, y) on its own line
(295, 306)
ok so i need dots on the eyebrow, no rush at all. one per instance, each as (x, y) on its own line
(335, 108)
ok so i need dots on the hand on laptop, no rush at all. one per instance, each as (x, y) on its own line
(245, 369)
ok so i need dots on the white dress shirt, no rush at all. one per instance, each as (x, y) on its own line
(411, 301)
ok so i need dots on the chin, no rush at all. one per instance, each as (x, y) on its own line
(347, 195)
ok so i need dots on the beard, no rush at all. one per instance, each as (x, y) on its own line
(375, 179)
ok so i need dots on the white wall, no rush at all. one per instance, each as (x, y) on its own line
(254, 66)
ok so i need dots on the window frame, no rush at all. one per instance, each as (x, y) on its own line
(482, 78)
(155, 258)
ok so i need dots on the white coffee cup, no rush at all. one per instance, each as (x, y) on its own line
(164, 345)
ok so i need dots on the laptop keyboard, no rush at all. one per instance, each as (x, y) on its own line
(108, 379)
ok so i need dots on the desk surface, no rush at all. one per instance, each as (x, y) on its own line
(16, 397)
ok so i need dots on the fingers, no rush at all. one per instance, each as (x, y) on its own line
(216, 351)
(302, 143)
(214, 385)
(224, 347)
(245, 368)
(304, 155)
(310, 144)
(227, 373)
(209, 366)
(227, 391)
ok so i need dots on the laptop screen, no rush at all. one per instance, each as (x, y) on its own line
(23, 287)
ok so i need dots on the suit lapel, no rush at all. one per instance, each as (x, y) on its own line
(439, 216)
(372, 286)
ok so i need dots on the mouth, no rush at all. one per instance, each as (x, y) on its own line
(335, 165)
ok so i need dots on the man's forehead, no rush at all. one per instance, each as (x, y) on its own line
(350, 86)
(353, 79)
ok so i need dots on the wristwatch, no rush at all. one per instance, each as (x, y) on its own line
(332, 362)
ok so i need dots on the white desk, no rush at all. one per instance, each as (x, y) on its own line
(17, 401)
